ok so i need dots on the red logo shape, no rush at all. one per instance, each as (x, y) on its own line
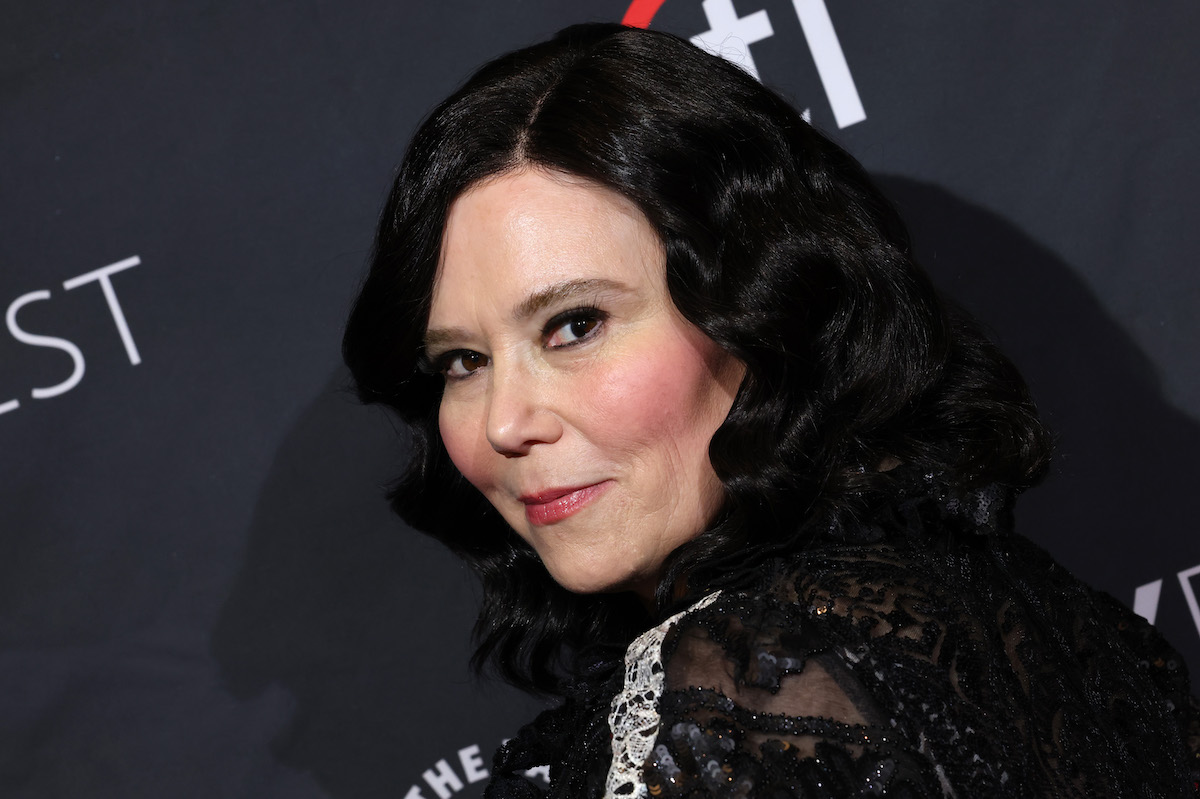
(640, 12)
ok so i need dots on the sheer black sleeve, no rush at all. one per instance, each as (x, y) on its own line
(875, 671)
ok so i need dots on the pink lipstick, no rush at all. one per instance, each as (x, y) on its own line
(555, 504)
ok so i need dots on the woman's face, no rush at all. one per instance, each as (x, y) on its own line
(577, 398)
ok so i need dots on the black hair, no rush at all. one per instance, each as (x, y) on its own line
(778, 247)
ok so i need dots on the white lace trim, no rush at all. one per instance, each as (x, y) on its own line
(634, 717)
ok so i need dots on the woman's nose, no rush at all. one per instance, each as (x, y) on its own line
(519, 415)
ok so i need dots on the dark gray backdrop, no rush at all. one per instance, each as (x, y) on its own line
(201, 592)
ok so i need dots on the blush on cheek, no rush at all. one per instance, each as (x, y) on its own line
(663, 390)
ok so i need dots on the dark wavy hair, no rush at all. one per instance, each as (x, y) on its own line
(778, 247)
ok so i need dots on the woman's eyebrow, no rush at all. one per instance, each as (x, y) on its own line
(437, 337)
(561, 292)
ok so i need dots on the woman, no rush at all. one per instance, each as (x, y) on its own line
(736, 481)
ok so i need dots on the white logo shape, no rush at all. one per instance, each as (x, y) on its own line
(725, 25)
(1145, 597)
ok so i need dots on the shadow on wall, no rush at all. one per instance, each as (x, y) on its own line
(1113, 507)
(365, 623)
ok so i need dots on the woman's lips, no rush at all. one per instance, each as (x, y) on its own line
(556, 504)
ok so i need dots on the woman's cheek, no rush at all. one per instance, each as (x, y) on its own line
(633, 394)
(459, 437)
(657, 389)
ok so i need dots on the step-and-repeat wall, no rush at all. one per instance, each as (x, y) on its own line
(202, 593)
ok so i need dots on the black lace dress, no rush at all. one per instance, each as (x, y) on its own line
(941, 655)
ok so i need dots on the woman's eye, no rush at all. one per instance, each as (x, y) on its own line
(462, 363)
(572, 328)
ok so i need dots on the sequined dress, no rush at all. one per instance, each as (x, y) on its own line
(938, 655)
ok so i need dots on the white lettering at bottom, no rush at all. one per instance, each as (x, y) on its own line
(444, 781)
(472, 763)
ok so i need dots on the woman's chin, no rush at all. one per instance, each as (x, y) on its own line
(587, 583)
(593, 582)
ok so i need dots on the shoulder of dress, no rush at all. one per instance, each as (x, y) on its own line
(836, 600)
(809, 582)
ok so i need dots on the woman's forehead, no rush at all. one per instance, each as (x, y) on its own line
(524, 233)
